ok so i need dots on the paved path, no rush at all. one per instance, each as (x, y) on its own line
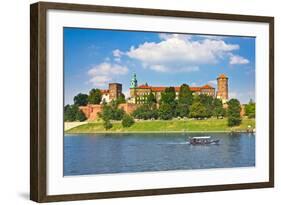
(69, 125)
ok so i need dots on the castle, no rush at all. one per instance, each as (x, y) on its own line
(138, 94)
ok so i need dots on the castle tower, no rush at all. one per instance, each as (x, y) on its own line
(222, 85)
(134, 82)
(134, 85)
(115, 90)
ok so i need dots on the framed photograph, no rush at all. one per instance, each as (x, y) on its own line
(135, 102)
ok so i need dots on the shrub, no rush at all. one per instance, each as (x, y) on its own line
(127, 121)
(80, 116)
(107, 124)
(233, 113)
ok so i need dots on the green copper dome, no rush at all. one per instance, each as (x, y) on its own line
(134, 81)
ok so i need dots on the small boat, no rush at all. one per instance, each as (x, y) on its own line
(203, 140)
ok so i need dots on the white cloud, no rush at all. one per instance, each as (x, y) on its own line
(193, 84)
(178, 52)
(101, 75)
(117, 53)
(235, 59)
(212, 82)
(233, 95)
(127, 93)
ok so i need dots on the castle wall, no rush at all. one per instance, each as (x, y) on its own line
(91, 111)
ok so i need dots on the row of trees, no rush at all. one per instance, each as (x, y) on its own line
(112, 112)
(94, 97)
(186, 105)
(72, 113)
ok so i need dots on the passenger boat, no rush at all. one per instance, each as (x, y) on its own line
(203, 140)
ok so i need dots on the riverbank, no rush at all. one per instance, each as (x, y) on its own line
(157, 126)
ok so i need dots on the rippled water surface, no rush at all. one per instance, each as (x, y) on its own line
(120, 153)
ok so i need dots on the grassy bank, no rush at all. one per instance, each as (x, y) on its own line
(211, 125)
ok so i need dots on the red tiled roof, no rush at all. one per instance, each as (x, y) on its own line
(144, 86)
(207, 86)
(177, 89)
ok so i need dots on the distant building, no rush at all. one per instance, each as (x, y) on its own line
(138, 94)
(114, 91)
(222, 83)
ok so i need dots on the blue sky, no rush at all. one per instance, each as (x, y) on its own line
(93, 58)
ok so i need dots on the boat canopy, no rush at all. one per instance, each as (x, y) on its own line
(202, 137)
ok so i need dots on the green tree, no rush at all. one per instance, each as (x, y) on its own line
(81, 99)
(218, 110)
(207, 102)
(185, 95)
(150, 99)
(80, 116)
(145, 112)
(70, 113)
(95, 96)
(198, 110)
(127, 121)
(107, 124)
(182, 110)
(250, 109)
(166, 111)
(110, 112)
(233, 112)
(168, 96)
(121, 99)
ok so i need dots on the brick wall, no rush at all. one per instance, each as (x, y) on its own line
(91, 111)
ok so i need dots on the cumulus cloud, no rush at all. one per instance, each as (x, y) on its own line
(212, 82)
(101, 74)
(177, 52)
(117, 53)
(235, 59)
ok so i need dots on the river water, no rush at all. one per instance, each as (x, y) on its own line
(86, 154)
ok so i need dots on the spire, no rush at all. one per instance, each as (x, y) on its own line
(134, 81)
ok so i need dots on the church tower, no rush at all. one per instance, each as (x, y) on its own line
(134, 82)
(133, 86)
(222, 85)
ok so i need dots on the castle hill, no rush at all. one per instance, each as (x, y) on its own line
(152, 108)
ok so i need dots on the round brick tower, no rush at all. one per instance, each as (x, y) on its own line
(222, 92)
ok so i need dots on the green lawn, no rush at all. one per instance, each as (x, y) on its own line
(189, 125)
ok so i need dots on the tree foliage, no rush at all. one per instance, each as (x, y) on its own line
(185, 95)
(150, 99)
(110, 112)
(127, 121)
(233, 112)
(145, 112)
(81, 99)
(182, 110)
(207, 102)
(166, 111)
(95, 96)
(72, 113)
(218, 110)
(80, 116)
(168, 96)
(107, 124)
(250, 109)
(121, 99)
(198, 110)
